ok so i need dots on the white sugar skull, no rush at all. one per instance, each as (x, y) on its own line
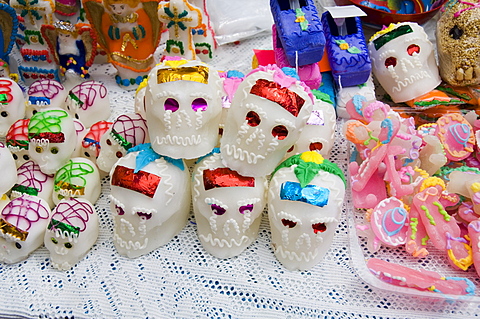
(319, 133)
(267, 114)
(53, 139)
(88, 102)
(79, 178)
(45, 95)
(17, 141)
(81, 130)
(32, 181)
(150, 200)
(12, 104)
(9, 170)
(403, 61)
(305, 200)
(127, 130)
(91, 141)
(183, 108)
(458, 43)
(228, 207)
(22, 226)
(71, 232)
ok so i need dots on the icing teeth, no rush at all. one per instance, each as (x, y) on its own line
(179, 140)
(242, 155)
(224, 242)
(129, 245)
(292, 255)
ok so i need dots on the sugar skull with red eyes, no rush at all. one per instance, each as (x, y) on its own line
(305, 198)
(268, 112)
(403, 61)
(183, 108)
(228, 207)
(149, 199)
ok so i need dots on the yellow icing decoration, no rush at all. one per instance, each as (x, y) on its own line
(344, 46)
(381, 32)
(432, 181)
(423, 173)
(311, 156)
(142, 85)
(462, 263)
(300, 19)
(175, 63)
(475, 187)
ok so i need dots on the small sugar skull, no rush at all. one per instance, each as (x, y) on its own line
(268, 113)
(403, 61)
(44, 95)
(79, 178)
(71, 232)
(458, 43)
(9, 170)
(88, 102)
(91, 141)
(17, 141)
(52, 139)
(12, 104)
(228, 207)
(127, 130)
(22, 227)
(150, 200)
(183, 108)
(32, 181)
(305, 200)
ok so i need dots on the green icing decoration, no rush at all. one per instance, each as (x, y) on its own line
(63, 227)
(324, 97)
(3, 98)
(424, 240)
(451, 91)
(354, 50)
(25, 189)
(442, 211)
(301, 19)
(75, 98)
(413, 226)
(429, 216)
(120, 140)
(387, 37)
(72, 170)
(47, 121)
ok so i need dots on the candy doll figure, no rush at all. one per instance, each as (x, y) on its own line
(8, 34)
(129, 32)
(12, 104)
(17, 141)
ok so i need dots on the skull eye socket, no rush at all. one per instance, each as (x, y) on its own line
(54, 150)
(4, 114)
(38, 149)
(317, 146)
(288, 223)
(413, 48)
(119, 210)
(253, 119)
(199, 105)
(391, 61)
(319, 228)
(245, 209)
(68, 245)
(26, 157)
(15, 157)
(171, 105)
(119, 154)
(280, 132)
(217, 210)
(455, 32)
(109, 143)
(18, 245)
(54, 240)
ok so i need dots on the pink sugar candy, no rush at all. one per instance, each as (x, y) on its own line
(417, 237)
(474, 234)
(456, 135)
(389, 221)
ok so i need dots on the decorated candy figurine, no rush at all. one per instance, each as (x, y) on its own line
(403, 61)
(9, 170)
(305, 200)
(91, 141)
(22, 227)
(228, 206)
(9, 32)
(44, 95)
(458, 43)
(269, 111)
(17, 141)
(456, 135)
(73, 46)
(150, 200)
(71, 232)
(12, 104)
(127, 131)
(204, 35)
(346, 94)
(79, 178)
(67, 10)
(52, 139)
(88, 102)
(129, 32)
(183, 108)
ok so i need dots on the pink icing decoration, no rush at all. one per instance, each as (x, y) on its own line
(47, 88)
(88, 92)
(24, 211)
(30, 175)
(73, 212)
(132, 127)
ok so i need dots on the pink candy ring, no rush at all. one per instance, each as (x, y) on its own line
(456, 134)
(389, 221)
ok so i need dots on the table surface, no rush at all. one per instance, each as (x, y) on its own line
(182, 280)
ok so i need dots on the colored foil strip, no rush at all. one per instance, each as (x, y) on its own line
(75, 189)
(25, 189)
(123, 142)
(387, 37)
(141, 182)
(49, 136)
(310, 194)
(12, 230)
(39, 100)
(58, 225)
(18, 143)
(75, 98)
(225, 177)
(197, 73)
(3, 98)
(284, 97)
(316, 118)
(90, 141)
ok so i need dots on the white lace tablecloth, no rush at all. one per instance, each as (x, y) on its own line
(181, 280)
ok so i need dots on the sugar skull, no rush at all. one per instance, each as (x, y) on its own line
(458, 43)
(403, 61)
(44, 95)
(150, 200)
(127, 130)
(52, 139)
(71, 232)
(22, 227)
(268, 113)
(305, 200)
(228, 206)
(9, 170)
(183, 108)
(91, 141)
(79, 178)
(17, 141)
(12, 104)
(88, 102)
(81, 130)
(32, 181)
